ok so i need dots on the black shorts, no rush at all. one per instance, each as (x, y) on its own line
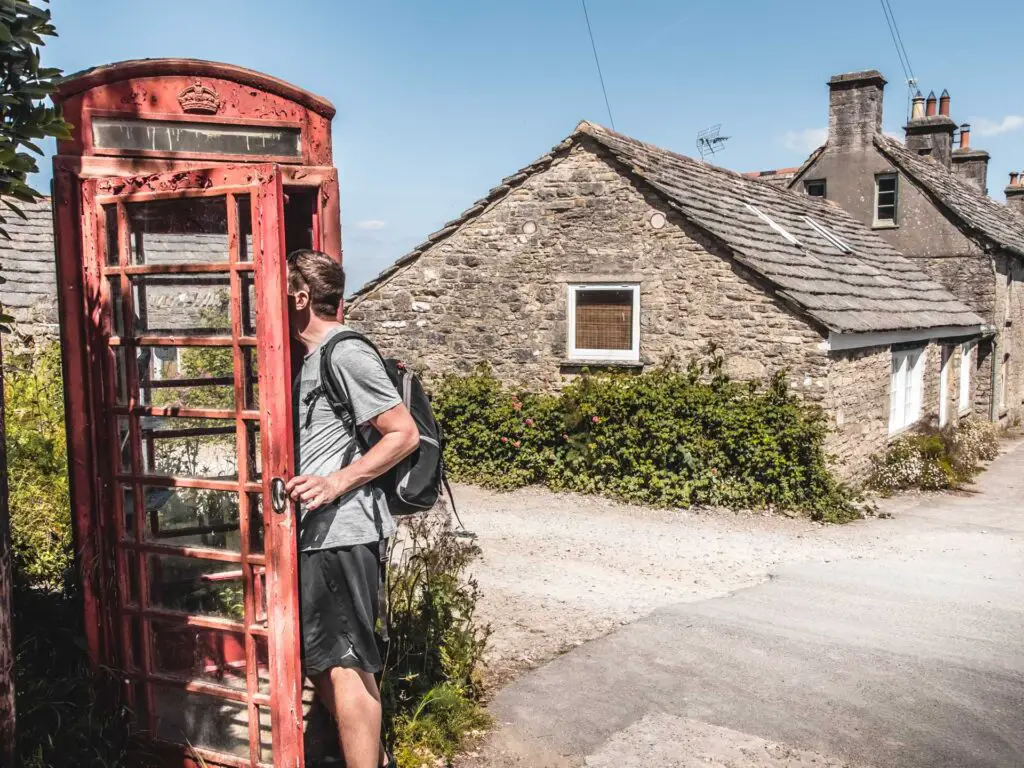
(339, 597)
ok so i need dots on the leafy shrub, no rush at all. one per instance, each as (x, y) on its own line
(665, 437)
(37, 468)
(934, 460)
(430, 685)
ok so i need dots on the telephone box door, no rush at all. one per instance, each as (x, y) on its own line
(195, 414)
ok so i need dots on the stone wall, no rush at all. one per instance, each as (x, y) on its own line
(491, 293)
(988, 283)
(857, 401)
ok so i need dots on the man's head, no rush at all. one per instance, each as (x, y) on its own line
(316, 289)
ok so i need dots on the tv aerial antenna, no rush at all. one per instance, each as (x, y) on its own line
(710, 142)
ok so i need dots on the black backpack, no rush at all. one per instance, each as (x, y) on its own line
(415, 484)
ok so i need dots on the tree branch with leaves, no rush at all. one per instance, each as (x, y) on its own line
(25, 119)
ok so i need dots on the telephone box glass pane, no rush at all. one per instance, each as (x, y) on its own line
(244, 208)
(186, 447)
(191, 230)
(211, 655)
(182, 305)
(110, 225)
(195, 138)
(193, 517)
(191, 585)
(186, 377)
(206, 722)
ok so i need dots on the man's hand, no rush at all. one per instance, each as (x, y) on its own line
(314, 491)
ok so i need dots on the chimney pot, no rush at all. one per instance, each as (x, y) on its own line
(1013, 178)
(930, 105)
(944, 103)
(917, 112)
(965, 136)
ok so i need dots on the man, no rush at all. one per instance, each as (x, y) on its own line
(344, 519)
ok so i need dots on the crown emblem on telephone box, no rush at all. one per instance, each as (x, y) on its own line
(199, 99)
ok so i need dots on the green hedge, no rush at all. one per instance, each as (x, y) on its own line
(665, 437)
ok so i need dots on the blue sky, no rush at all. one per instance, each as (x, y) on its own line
(439, 99)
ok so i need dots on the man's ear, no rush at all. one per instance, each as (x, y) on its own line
(301, 299)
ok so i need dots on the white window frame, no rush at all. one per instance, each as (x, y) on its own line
(895, 201)
(966, 363)
(906, 390)
(627, 355)
(947, 355)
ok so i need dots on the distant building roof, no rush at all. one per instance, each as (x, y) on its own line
(979, 212)
(795, 242)
(777, 176)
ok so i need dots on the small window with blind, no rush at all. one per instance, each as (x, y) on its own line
(886, 199)
(604, 322)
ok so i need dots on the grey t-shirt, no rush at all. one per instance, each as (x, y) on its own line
(322, 442)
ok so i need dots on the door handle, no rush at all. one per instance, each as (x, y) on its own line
(278, 495)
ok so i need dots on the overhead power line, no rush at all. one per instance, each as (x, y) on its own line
(897, 40)
(598, 62)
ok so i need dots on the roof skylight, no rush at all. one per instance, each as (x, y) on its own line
(834, 240)
(772, 223)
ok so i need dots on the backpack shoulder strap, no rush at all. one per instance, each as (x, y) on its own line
(333, 386)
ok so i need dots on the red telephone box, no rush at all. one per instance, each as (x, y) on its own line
(183, 188)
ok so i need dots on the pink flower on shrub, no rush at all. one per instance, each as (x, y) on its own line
(596, 419)
(517, 443)
(516, 405)
(565, 436)
(714, 472)
(529, 422)
(504, 439)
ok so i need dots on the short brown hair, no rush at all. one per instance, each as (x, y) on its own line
(321, 276)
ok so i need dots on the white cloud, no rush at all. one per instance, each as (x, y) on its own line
(982, 126)
(371, 224)
(805, 141)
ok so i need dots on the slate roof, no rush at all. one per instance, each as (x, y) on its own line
(871, 289)
(979, 212)
(29, 290)
(780, 177)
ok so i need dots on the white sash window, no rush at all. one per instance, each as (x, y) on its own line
(906, 388)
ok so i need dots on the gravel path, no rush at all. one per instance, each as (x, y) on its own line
(560, 569)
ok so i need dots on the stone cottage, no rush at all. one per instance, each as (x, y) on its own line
(929, 201)
(609, 253)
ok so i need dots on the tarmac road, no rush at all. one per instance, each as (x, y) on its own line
(909, 659)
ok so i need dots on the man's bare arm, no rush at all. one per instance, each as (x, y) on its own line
(399, 438)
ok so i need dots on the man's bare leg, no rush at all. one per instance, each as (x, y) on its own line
(353, 699)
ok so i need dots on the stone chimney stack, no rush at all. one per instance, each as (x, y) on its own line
(855, 108)
(971, 164)
(1015, 194)
(932, 135)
